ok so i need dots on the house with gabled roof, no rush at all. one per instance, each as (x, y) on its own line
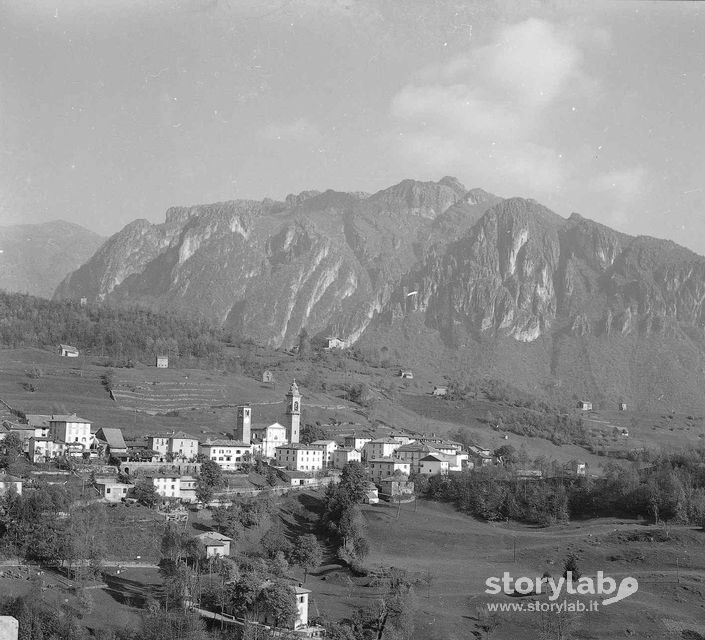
(434, 464)
(111, 438)
(413, 452)
(67, 351)
(380, 448)
(175, 445)
(227, 454)
(216, 543)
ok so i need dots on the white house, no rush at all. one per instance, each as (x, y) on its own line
(334, 343)
(433, 464)
(228, 454)
(112, 490)
(70, 429)
(300, 457)
(385, 467)
(179, 445)
(329, 447)
(407, 374)
(585, 405)
(67, 351)
(216, 544)
(45, 449)
(440, 391)
(266, 439)
(380, 448)
(167, 485)
(343, 455)
(162, 362)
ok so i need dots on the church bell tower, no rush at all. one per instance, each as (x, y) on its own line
(244, 424)
(293, 412)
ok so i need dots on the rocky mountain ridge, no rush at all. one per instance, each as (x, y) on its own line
(465, 264)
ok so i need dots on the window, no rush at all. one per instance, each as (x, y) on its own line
(107, 490)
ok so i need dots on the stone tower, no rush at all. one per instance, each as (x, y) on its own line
(243, 424)
(293, 412)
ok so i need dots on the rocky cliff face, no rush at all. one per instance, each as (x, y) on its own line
(325, 261)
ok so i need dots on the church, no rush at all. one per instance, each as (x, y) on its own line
(266, 438)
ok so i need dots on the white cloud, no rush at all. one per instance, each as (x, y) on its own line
(297, 130)
(487, 112)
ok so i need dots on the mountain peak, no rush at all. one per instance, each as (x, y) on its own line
(453, 183)
(479, 196)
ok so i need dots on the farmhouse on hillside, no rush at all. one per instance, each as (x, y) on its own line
(67, 351)
(585, 405)
(216, 544)
(112, 489)
(334, 343)
(162, 362)
(267, 376)
(440, 391)
(622, 406)
(407, 374)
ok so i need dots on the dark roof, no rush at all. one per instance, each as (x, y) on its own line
(299, 445)
(66, 418)
(112, 436)
(224, 443)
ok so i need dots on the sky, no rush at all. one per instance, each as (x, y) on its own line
(112, 110)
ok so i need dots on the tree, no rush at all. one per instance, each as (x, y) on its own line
(12, 446)
(243, 594)
(146, 494)
(571, 564)
(307, 553)
(310, 433)
(304, 344)
(275, 540)
(279, 599)
(210, 479)
(353, 483)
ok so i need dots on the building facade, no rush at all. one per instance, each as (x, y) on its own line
(300, 457)
(227, 454)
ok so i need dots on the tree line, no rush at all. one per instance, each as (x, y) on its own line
(122, 334)
(668, 487)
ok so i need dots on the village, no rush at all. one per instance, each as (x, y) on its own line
(168, 467)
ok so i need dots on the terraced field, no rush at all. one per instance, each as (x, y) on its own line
(161, 397)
